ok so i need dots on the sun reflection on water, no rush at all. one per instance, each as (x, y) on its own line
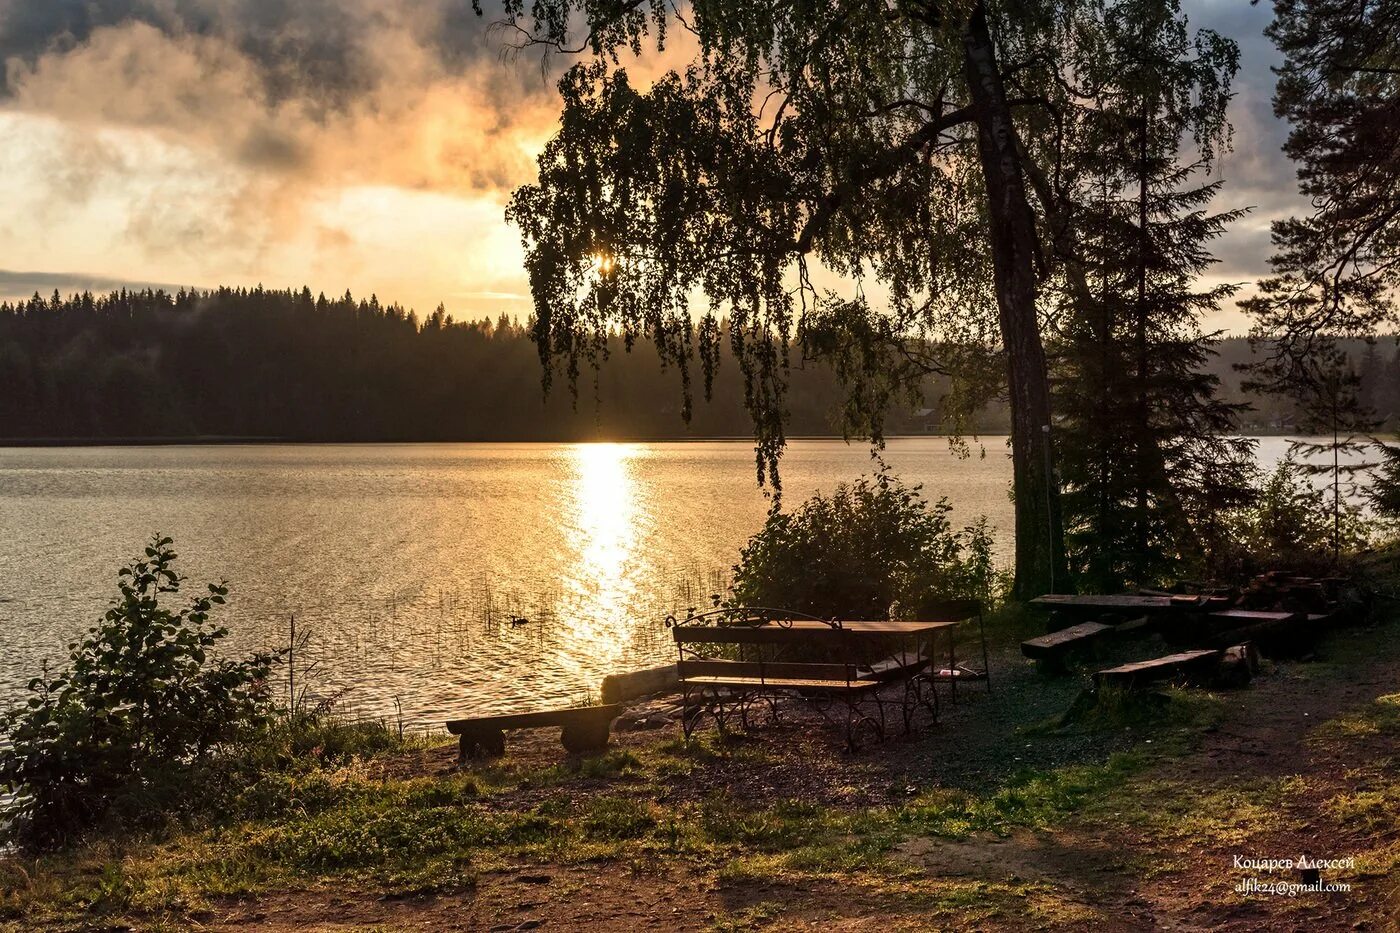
(605, 566)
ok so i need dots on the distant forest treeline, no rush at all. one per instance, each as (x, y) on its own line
(285, 364)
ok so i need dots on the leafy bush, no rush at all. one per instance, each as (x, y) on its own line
(1289, 527)
(871, 545)
(142, 701)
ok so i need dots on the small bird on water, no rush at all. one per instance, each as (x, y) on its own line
(517, 621)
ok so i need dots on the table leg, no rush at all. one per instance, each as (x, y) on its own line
(953, 665)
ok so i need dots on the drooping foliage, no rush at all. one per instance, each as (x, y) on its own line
(913, 150)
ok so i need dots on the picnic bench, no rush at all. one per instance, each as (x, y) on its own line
(958, 611)
(1172, 665)
(585, 729)
(729, 660)
(1050, 651)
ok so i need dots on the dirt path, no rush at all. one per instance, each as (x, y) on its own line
(1258, 786)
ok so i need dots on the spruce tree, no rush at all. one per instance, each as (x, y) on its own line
(1147, 463)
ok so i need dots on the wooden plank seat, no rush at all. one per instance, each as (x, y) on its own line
(1141, 672)
(1271, 630)
(893, 668)
(1052, 651)
(786, 683)
(1057, 643)
(585, 729)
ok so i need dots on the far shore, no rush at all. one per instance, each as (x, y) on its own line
(213, 440)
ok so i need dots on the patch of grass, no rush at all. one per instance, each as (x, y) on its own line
(1109, 709)
(1373, 808)
(755, 917)
(785, 825)
(614, 818)
(1381, 716)
(1175, 810)
(1031, 799)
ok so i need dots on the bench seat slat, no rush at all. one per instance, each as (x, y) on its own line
(894, 669)
(1047, 645)
(784, 683)
(554, 717)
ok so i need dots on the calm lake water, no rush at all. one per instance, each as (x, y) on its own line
(407, 562)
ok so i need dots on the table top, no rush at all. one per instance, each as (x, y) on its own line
(1115, 601)
(872, 628)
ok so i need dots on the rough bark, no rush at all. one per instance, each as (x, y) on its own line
(1039, 563)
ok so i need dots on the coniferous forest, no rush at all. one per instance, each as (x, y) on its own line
(286, 365)
(274, 364)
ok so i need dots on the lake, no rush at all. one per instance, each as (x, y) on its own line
(408, 562)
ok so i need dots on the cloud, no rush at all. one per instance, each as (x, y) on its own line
(1256, 173)
(21, 285)
(363, 96)
(242, 140)
(209, 137)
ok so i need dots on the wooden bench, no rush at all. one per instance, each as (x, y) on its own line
(1265, 628)
(1051, 650)
(1138, 673)
(585, 729)
(723, 668)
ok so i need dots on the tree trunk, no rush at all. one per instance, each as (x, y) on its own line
(1145, 438)
(1040, 564)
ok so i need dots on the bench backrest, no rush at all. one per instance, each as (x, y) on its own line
(756, 635)
(767, 670)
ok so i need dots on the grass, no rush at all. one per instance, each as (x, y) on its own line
(1381, 716)
(1029, 800)
(343, 824)
(330, 809)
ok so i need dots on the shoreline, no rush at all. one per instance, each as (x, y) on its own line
(216, 440)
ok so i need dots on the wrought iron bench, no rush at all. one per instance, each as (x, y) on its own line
(727, 661)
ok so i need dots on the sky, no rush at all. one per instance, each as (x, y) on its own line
(368, 145)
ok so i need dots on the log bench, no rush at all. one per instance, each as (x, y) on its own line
(1050, 651)
(585, 729)
(1269, 629)
(1138, 673)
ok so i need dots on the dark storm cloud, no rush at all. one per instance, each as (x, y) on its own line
(304, 47)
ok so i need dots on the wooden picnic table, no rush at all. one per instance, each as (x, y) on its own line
(861, 657)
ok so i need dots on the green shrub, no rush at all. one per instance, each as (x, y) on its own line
(143, 701)
(872, 544)
(1289, 527)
